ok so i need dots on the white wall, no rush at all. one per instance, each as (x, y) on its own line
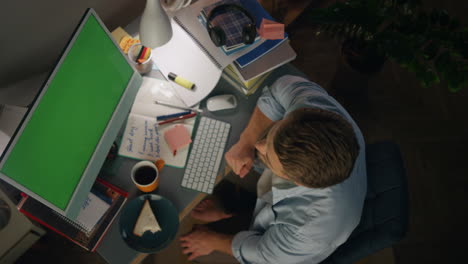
(10, 118)
(34, 32)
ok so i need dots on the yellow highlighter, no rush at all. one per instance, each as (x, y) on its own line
(181, 81)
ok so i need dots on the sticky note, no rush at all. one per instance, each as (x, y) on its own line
(177, 137)
(271, 29)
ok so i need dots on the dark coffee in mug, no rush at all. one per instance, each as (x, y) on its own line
(145, 175)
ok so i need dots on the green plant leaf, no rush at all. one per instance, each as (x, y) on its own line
(454, 86)
(426, 75)
(422, 23)
(442, 64)
(415, 3)
(454, 24)
(454, 76)
(431, 50)
(434, 17)
(431, 44)
(459, 42)
(444, 18)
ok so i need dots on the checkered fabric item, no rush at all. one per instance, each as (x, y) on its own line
(232, 22)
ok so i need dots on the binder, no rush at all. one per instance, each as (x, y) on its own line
(73, 230)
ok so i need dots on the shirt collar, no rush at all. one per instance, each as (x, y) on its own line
(279, 194)
(282, 188)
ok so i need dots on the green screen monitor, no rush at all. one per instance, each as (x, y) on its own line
(59, 148)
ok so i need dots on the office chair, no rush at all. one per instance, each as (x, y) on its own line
(384, 219)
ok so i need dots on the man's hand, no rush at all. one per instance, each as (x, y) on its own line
(240, 158)
(202, 241)
(208, 211)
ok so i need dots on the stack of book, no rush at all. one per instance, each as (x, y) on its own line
(233, 77)
(96, 215)
(248, 71)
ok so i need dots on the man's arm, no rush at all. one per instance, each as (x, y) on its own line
(279, 244)
(241, 156)
(285, 94)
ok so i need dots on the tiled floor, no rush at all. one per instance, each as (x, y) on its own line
(430, 125)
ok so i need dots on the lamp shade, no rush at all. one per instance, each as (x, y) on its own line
(155, 27)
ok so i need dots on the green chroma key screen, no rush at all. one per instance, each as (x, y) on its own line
(59, 139)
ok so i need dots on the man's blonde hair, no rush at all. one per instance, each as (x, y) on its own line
(316, 148)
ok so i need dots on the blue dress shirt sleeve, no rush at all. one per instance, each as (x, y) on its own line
(279, 244)
(289, 93)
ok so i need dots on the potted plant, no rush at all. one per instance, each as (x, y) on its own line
(433, 45)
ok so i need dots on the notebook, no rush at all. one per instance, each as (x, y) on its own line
(91, 211)
(247, 88)
(143, 138)
(281, 55)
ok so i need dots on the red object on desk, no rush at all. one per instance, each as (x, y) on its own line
(271, 29)
(177, 138)
(177, 118)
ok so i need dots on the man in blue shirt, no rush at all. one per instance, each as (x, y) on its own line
(311, 193)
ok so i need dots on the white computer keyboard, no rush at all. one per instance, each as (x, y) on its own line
(206, 155)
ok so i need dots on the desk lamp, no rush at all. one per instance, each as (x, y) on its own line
(155, 27)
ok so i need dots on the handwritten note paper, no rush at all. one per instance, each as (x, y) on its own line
(144, 108)
(91, 211)
(141, 139)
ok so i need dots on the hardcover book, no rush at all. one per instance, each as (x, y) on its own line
(231, 75)
(97, 214)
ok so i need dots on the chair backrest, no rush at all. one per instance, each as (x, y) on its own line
(384, 219)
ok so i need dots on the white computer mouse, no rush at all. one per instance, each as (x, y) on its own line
(221, 102)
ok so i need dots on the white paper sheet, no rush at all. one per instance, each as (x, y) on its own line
(182, 56)
(91, 211)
